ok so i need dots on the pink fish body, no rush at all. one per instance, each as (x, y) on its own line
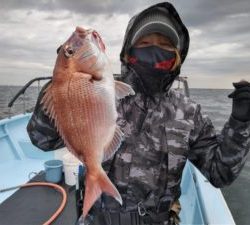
(81, 101)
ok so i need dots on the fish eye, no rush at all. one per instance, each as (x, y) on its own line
(68, 52)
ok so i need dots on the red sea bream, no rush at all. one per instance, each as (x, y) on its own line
(81, 101)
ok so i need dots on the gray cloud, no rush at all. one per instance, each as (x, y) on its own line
(195, 12)
(32, 30)
(198, 13)
(78, 6)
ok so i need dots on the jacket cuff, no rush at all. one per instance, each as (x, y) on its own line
(241, 127)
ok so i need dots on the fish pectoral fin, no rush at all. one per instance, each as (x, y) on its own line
(122, 90)
(111, 147)
(95, 185)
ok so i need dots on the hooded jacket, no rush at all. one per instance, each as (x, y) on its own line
(160, 138)
(128, 73)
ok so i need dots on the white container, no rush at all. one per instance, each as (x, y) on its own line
(70, 165)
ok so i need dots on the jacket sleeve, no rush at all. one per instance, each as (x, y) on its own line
(219, 157)
(41, 129)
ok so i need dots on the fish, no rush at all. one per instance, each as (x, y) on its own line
(81, 100)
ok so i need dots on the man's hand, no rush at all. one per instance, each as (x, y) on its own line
(86, 221)
(241, 101)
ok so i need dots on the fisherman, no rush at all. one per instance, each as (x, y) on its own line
(163, 128)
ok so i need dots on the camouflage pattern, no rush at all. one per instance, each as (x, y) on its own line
(160, 138)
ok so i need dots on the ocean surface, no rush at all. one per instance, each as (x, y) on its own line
(214, 103)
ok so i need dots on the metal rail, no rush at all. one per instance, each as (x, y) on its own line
(179, 79)
(23, 89)
(185, 85)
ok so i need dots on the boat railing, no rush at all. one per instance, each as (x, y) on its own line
(180, 84)
(22, 92)
(183, 80)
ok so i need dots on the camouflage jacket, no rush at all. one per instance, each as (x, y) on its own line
(160, 138)
(164, 131)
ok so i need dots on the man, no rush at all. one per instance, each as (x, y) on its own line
(163, 128)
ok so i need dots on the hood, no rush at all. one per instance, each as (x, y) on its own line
(127, 73)
(170, 12)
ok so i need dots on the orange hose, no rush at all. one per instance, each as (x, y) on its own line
(58, 188)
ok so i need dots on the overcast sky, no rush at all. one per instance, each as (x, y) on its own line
(31, 31)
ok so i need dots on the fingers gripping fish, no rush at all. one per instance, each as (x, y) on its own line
(81, 101)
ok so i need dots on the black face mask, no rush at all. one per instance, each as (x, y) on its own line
(153, 57)
(152, 67)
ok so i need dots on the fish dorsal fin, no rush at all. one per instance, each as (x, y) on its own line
(47, 101)
(111, 147)
(122, 90)
(48, 106)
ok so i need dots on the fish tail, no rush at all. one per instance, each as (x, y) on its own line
(95, 185)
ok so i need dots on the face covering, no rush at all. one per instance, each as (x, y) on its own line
(153, 57)
(152, 67)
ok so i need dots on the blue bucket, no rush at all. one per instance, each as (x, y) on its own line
(53, 171)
